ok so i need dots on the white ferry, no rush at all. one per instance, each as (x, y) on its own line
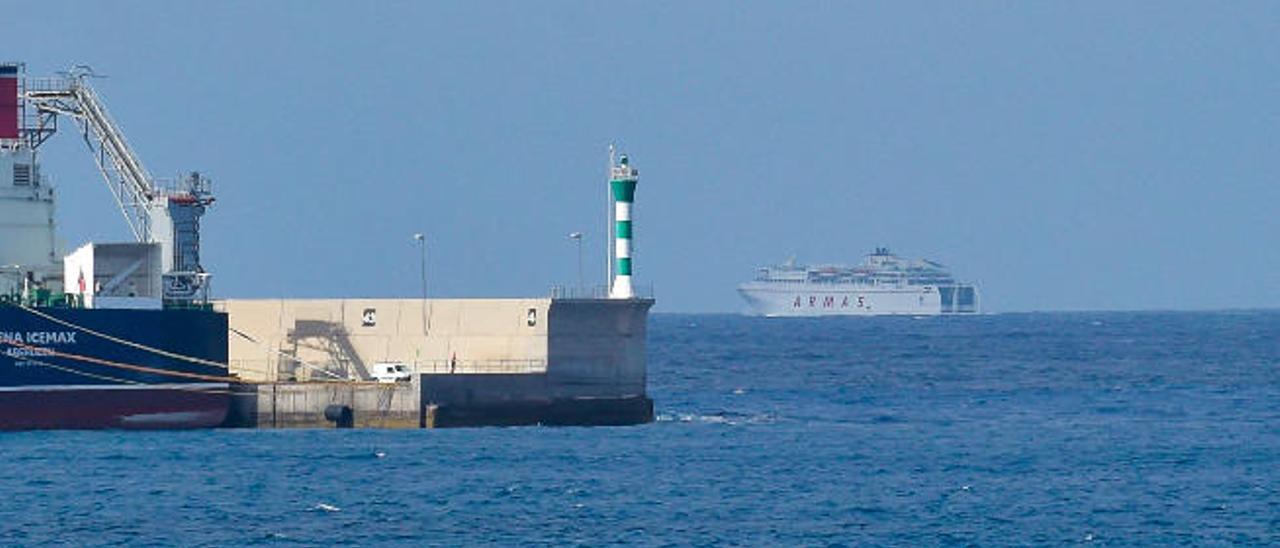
(883, 284)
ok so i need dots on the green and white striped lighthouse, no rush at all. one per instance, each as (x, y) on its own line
(622, 185)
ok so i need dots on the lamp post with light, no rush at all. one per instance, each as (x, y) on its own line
(422, 248)
(577, 239)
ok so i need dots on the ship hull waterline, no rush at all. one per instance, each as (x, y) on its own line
(68, 368)
(146, 408)
(808, 301)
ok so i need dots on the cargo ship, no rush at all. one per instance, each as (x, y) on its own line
(112, 335)
(883, 284)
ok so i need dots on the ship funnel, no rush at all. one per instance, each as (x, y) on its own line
(9, 105)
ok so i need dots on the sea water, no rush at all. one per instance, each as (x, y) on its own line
(1015, 429)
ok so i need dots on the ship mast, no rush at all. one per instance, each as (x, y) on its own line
(608, 229)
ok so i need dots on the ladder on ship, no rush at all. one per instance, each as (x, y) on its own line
(131, 184)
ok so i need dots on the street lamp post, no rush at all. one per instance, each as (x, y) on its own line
(422, 248)
(577, 239)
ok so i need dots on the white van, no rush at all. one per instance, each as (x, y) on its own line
(390, 372)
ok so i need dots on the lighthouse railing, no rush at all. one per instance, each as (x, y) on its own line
(642, 291)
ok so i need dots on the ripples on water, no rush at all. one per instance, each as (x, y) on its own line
(1012, 429)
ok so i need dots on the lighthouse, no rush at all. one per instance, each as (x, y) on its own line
(622, 186)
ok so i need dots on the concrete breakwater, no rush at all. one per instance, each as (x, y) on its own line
(464, 401)
(470, 362)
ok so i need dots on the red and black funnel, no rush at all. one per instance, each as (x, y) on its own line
(9, 101)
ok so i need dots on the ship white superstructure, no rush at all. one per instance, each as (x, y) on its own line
(883, 284)
(28, 248)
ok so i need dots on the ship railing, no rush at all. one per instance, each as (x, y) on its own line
(43, 298)
(181, 184)
(48, 84)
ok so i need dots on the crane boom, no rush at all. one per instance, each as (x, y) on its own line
(130, 183)
(165, 214)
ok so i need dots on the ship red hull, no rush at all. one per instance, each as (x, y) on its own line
(149, 408)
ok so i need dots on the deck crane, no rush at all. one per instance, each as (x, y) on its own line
(163, 212)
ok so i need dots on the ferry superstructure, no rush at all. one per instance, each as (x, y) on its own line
(883, 284)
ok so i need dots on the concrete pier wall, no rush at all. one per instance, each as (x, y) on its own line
(596, 348)
(303, 405)
(327, 339)
(478, 361)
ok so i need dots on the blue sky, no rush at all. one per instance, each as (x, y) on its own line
(1065, 156)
